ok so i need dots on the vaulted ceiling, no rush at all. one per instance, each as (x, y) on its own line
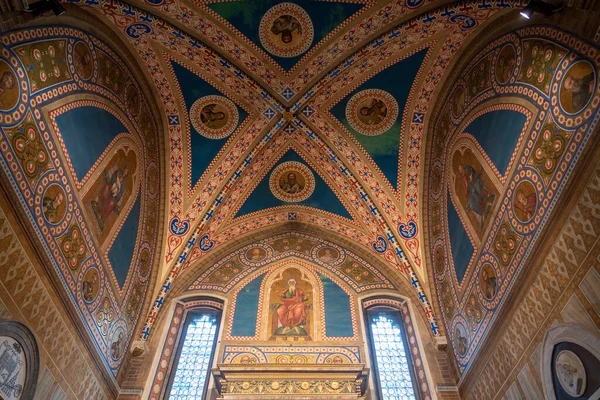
(333, 116)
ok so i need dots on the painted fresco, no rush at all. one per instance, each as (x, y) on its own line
(74, 154)
(291, 305)
(503, 189)
(476, 193)
(108, 197)
(9, 87)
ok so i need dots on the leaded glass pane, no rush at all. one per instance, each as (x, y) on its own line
(193, 364)
(392, 363)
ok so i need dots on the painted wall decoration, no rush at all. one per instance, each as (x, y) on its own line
(12, 368)
(372, 112)
(214, 117)
(493, 197)
(292, 182)
(290, 305)
(286, 30)
(79, 148)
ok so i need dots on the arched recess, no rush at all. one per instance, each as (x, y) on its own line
(95, 70)
(577, 377)
(264, 261)
(524, 69)
(20, 361)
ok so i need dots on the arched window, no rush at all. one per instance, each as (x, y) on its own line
(193, 359)
(391, 360)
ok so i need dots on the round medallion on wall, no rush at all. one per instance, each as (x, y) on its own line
(54, 204)
(525, 201)
(577, 87)
(133, 100)
(458, 101)
(372, 112)
(214, 117)
(571, 373)
(505, 64)
(286, 30)
(488, 281)
(292, 182)
(461, 341)
(90, 285)
(82, 60)
(9, 87)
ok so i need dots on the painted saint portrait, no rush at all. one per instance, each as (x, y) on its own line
(291, 302)
(458, 101)
(107, 198)
(256, 254)
(488, 282)
(214, 117)
(291, 182)
(461, 341)
(54, 204)
(571, 373)
(328, 255)
(116, 347)
(505, 63)
(439, 260)
(133, 100)
(525, 201)
(144, 262)
(372, 112)
(474, 189)
(90, 285)
(82, 60)
(577, 87)
(285, 27)
(286, 30)
(9, 87)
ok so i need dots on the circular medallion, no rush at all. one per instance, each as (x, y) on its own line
(488, 281)
(328, 254)
(214, 117)
(54, 204)
(9, 87)
(82, 60)
(439, 260)
(525, 201)
(144, 262)
(256, 254)
(577, 87)
(90, 285)
(372, 112)
(117, 343)
(571, 373)
(292, 182)
(505, 64)
(461, 341)
(286, 30)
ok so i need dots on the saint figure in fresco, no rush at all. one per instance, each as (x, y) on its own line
(256, 254)
(328, 256)
(292, 313)
(460, 341)
(116, 347)
(374, 113)
(488, 284)
(580, 88)
(110, 197)
(526, 204)
(479, 200)
(210, 117)
(83, 61)
(50, 206)
(7, 82)
(285, 25)
(89, 288)
(290, 185)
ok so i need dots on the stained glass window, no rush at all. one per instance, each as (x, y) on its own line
(195, 357)
(392, 361)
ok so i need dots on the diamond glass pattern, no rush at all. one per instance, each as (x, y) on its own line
(193, 364)
(392, 362)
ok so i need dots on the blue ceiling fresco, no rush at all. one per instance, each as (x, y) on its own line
(397, 80)
(202, 149)
(246, 15)
(322, 198)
